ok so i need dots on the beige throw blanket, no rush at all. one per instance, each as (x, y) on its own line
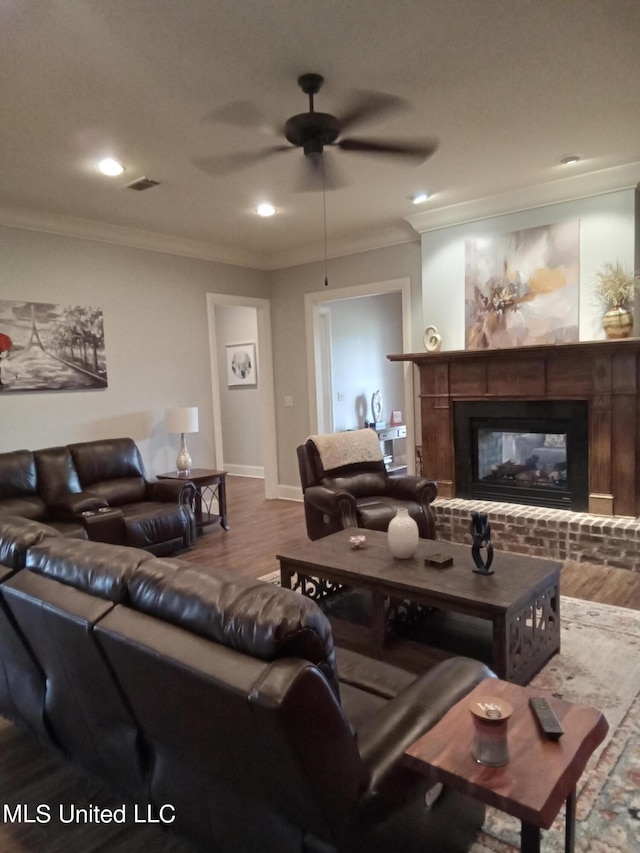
(347, 448)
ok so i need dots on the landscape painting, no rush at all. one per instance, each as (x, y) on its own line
(523, 288)
(47, 347)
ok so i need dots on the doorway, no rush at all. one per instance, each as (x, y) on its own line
(263, 394)
(318, 361)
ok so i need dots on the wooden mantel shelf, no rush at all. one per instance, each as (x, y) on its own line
(580, 348)
(604, 373)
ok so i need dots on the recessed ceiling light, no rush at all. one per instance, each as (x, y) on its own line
(570, 159)
(418, 198)
(265, 210)
(110, 167)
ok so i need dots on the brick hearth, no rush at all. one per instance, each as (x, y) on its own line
(553, 533)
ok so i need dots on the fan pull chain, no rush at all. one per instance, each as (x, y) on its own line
(324, 213)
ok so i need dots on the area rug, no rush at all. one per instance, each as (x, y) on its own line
(599, 665)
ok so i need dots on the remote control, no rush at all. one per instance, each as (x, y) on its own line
(546, 718)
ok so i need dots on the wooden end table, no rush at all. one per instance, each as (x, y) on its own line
(541, 774)
(209, 485)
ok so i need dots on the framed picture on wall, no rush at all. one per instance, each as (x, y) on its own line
(241, 364)
(51, 347)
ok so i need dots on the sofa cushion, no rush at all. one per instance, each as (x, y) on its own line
(18, 476)
(358, 482)
(57, 475)
(147, 523)
(106, 459)
(120, 491)
(18, 485)
(17, 535)
(30, 506)
(373, 676)
(92, 567)
(254, 617)
(375, 513)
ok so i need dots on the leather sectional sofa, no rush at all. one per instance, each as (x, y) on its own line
(222, 696)
(98, 490)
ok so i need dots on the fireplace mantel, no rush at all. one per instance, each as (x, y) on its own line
(604, 373)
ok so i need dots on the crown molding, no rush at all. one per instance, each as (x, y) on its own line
(562, 190)
(352, 244)
(553, 192)
(87, 229)
(103, 232)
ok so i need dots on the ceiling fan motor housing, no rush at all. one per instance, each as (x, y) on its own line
(312, 131)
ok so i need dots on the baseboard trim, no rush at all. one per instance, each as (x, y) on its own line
(245, 470)
(290, 493)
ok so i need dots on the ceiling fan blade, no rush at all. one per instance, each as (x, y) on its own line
(243, 114)
(221, 164)
(418, 151)
(369, 105)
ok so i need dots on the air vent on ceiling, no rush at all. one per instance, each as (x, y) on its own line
(142, 184)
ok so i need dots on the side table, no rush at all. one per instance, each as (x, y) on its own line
(210, 485)
(541, 774)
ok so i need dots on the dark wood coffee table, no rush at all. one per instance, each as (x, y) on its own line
(541, 774)
(520, 601)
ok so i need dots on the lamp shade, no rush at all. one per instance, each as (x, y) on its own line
(181, 419)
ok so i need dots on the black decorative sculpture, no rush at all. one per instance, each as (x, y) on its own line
(481, 535)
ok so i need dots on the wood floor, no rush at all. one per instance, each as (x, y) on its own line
(258, 528)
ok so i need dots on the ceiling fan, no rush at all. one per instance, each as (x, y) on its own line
(313, 132)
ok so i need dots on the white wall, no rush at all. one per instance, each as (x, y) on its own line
(156, 335)
(240, 409)
(606, 234)
(363, 331)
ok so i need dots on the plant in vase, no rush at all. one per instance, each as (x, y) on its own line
(615, 289)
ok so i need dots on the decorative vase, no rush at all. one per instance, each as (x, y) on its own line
(618, 322)
(403, 535)
(432, 340)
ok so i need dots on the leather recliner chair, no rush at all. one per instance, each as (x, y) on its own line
(358, 491)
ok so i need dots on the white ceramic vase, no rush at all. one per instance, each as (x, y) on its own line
(402, 535)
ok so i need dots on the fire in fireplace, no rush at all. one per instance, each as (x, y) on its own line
(523, 452)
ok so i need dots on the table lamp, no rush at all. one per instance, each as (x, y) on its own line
(182, 419)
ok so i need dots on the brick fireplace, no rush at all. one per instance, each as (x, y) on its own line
(603, 374)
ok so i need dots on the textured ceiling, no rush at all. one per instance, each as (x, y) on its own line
(508, 87)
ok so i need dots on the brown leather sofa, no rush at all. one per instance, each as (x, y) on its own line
(98, 490)
(361, 494)
(223, 697)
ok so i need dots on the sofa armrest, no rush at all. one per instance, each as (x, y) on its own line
(383, 739)
(333, 502)
(169, 491)
(411, 488)
(76, 503)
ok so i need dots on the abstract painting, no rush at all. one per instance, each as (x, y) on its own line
(523, 288)
(47, 347)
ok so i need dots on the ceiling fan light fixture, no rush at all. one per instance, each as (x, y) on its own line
(570, 159)
(265, 209)
(419, 198)
(110, 167)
